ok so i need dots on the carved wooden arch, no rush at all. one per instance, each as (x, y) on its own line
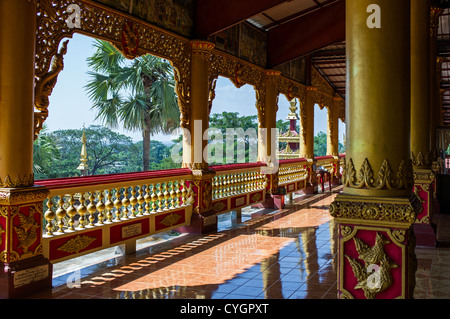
(133, 37)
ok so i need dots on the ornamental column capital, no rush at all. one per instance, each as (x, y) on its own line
(202, 47)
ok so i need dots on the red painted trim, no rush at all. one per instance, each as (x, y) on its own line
(109, 178)
(229, 167)
(295, 160)
(323, 157)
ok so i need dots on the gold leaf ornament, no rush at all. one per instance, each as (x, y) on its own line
(170, 220)
(75, 245)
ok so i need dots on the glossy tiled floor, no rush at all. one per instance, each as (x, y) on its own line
(288, 254)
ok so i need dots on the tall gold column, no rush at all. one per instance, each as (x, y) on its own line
(333, 141)
(377, 208)
(25, 270)
(421, 144)
(307, 142)
(307, 146)
(435, 13)
(333, 132)
(195, 151)
(17, 34)
(267, 105)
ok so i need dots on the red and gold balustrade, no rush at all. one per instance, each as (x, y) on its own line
(86, 214)
(238, 185)
(293, 174)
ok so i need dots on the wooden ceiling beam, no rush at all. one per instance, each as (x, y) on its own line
(306, 34)
(213, 16)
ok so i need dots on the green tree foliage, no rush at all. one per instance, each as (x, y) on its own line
(57, 154)
(320, 144)
(227, 123)
(45, 154)
(138, 96)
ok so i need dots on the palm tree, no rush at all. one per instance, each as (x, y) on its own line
(139, 94)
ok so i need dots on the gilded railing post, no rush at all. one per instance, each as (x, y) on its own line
(377, 208)
(24, 268)
(421, 145)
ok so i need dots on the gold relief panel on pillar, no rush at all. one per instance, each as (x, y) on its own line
(375, 262)
(21, 237)
(386, 178)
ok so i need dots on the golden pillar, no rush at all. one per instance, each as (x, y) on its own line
(307, 145)
(307, 142)
(435, 13)
(17, 32)
(333, 132)
(194, 146)
(333, 140)
(267, 106)
(25, 270)
(421, 143)
(377, 208)
(195, 149)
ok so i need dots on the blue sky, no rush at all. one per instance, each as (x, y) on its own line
(70, 107)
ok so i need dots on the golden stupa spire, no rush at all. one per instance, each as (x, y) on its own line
(83, 167)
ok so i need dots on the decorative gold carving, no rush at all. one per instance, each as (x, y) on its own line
(20, 196)
(256, 197)
(260, 104)
(18, 181)
(346, 230)
(386, 179)
(27, 231)
(424, 175)
(203, 48)
(399, 235)
(421, 160)
(130, 40)
(372, 256)
(76, 244)
(212, 93)
(1, 232)
(381, 211)
(44, 85)
(435, 13)
(218, 206)
(170, 220)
